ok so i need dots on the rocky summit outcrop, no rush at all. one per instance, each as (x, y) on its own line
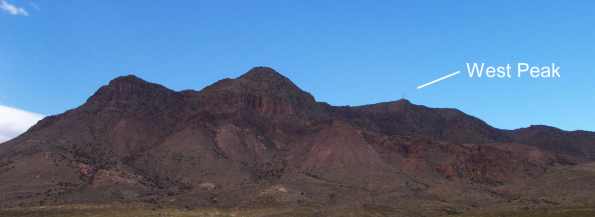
(260, 141)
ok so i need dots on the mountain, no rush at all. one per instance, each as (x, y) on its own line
(575, 143)
(260, 141)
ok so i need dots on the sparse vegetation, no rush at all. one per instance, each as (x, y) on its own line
(147, 211)
(560, 212)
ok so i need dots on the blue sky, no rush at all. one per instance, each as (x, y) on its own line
(55, 54)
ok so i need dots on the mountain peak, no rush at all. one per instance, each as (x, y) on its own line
(258, 80)
(262, 89)
(265, 76)
(390, 106)
(127, 80)
(262, 72)
(129, 88)
(131, 83)
(403, 101)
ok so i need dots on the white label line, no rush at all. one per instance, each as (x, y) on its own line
(438, 80)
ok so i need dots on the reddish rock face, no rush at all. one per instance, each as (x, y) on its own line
(259, 140)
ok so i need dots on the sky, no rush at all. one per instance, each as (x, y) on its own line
(55, 54)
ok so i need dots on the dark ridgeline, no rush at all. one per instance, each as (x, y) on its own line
(260, 141)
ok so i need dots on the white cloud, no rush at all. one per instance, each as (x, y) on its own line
(12, 9)
(14, 121)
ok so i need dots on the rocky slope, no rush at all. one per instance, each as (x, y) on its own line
(260, 141)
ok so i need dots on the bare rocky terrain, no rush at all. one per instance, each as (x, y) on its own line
(259, 142)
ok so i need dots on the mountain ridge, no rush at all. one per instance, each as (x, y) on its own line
(230, 143)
